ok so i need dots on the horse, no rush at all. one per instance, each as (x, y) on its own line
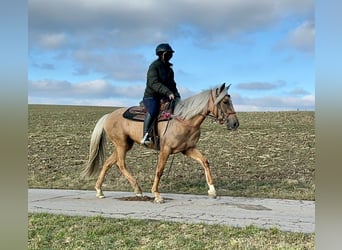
(179, 134)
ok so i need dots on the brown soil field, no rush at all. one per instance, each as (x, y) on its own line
(271, 155)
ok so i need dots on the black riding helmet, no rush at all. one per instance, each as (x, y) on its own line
(162, 48)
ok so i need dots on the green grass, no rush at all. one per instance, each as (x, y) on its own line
(63, 232)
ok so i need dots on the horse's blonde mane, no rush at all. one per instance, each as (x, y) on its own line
(191, 106)
(194, 105)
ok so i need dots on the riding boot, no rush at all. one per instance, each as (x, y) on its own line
(147, 124)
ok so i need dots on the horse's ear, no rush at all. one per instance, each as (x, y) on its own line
(222, 87)
(228, 86)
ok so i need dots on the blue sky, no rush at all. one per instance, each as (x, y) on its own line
(86, 52)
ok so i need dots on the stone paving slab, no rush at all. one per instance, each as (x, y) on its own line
(286, 215)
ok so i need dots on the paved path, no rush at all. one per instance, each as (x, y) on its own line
(286, 215)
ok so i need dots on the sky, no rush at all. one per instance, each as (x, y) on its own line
(86, 52)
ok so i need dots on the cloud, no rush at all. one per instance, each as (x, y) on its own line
(46, 66)
(102, 93)
(110, 102)
(113, 65)
(260, 85)
(109, 38)
(273, 103)
(132, 23)
(299, 92)
(301, 38)
(52, 41)
(88, 90)
(105, 36)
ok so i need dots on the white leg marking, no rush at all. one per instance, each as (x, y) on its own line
(212, 191)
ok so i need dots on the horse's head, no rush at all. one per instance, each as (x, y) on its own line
(223, 109)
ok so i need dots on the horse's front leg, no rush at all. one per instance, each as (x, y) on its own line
(195, 154)
(162, 159)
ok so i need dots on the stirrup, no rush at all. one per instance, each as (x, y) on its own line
(146, 140)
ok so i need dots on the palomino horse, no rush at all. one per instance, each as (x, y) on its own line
(180, 134)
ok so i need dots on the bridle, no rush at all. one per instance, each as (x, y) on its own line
(218, 113)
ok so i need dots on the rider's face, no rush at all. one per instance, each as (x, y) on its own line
(167, 55)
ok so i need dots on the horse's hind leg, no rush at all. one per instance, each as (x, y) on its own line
(106, 166)
(195, 154)
(121, 151)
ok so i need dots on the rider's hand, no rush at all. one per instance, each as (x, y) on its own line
(171, 97)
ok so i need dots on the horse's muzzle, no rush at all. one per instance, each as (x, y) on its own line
(233, 124)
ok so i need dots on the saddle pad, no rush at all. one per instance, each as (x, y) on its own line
(137, 113)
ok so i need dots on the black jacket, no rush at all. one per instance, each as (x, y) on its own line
(160, 80)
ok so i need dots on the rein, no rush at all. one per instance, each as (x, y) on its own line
(168, 119)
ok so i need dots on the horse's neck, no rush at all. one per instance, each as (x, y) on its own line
(194, 122)
(198, 120)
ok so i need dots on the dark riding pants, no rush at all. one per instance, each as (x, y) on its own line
(152, 106)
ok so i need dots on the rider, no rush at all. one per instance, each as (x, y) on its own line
(160, 84)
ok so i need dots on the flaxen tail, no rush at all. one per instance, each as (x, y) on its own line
(96, 149)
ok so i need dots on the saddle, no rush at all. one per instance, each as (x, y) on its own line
(137, 113)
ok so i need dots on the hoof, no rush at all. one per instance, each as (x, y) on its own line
(212, 195)
(139, 195)
(100, 196)
(158, 200)
(212, 192)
